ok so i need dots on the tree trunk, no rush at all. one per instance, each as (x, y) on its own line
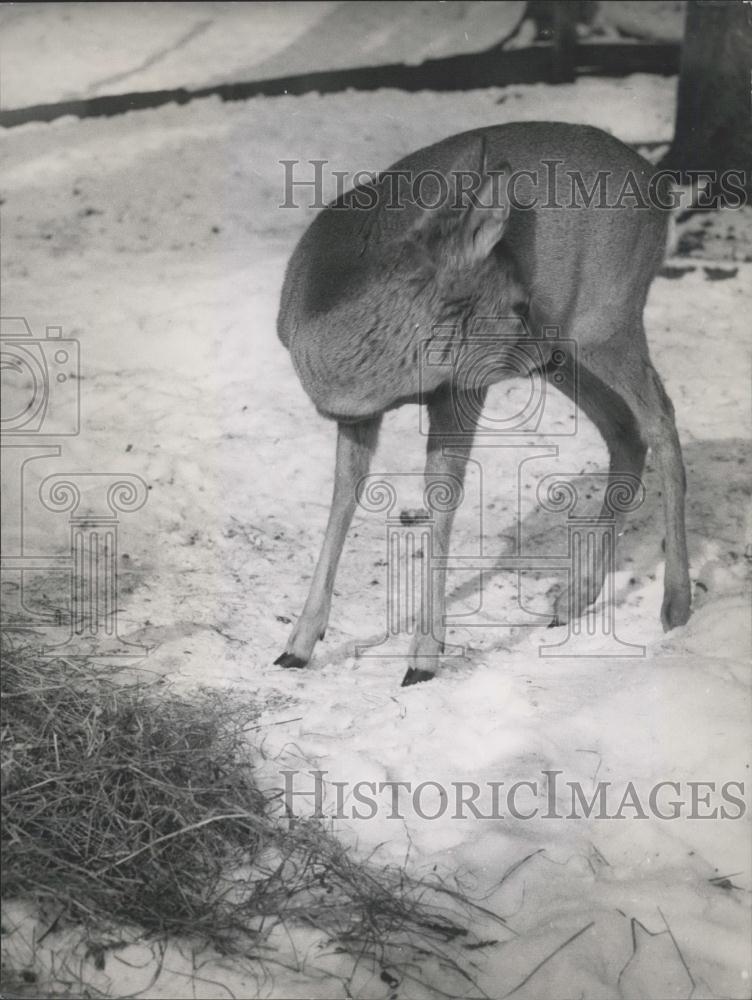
(713, 119)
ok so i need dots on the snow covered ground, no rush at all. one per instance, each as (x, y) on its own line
(156, 240)
(61, 51)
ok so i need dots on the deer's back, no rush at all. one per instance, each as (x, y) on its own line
(579, 267)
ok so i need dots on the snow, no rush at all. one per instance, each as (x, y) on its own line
(155, 239)
(68, 51)
(88, 50)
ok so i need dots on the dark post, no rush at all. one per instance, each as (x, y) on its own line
(713, 120)
(564, 40)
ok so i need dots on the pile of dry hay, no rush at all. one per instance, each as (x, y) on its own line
(129, 803)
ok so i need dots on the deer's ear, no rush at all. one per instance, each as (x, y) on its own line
(485, 219)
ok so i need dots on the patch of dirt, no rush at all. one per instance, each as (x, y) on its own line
(725, 234)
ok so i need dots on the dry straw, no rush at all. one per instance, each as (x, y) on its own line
(129, 803)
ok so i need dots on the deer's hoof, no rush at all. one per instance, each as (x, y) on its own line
(675, 611)
(290, 661)
(414, 676)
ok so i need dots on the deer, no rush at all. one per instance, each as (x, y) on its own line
(369, 282)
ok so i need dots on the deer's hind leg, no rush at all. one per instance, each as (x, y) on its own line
(620, 431)
(623, 364)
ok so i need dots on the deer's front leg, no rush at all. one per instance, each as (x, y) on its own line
(451, 431)
(356, 444)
